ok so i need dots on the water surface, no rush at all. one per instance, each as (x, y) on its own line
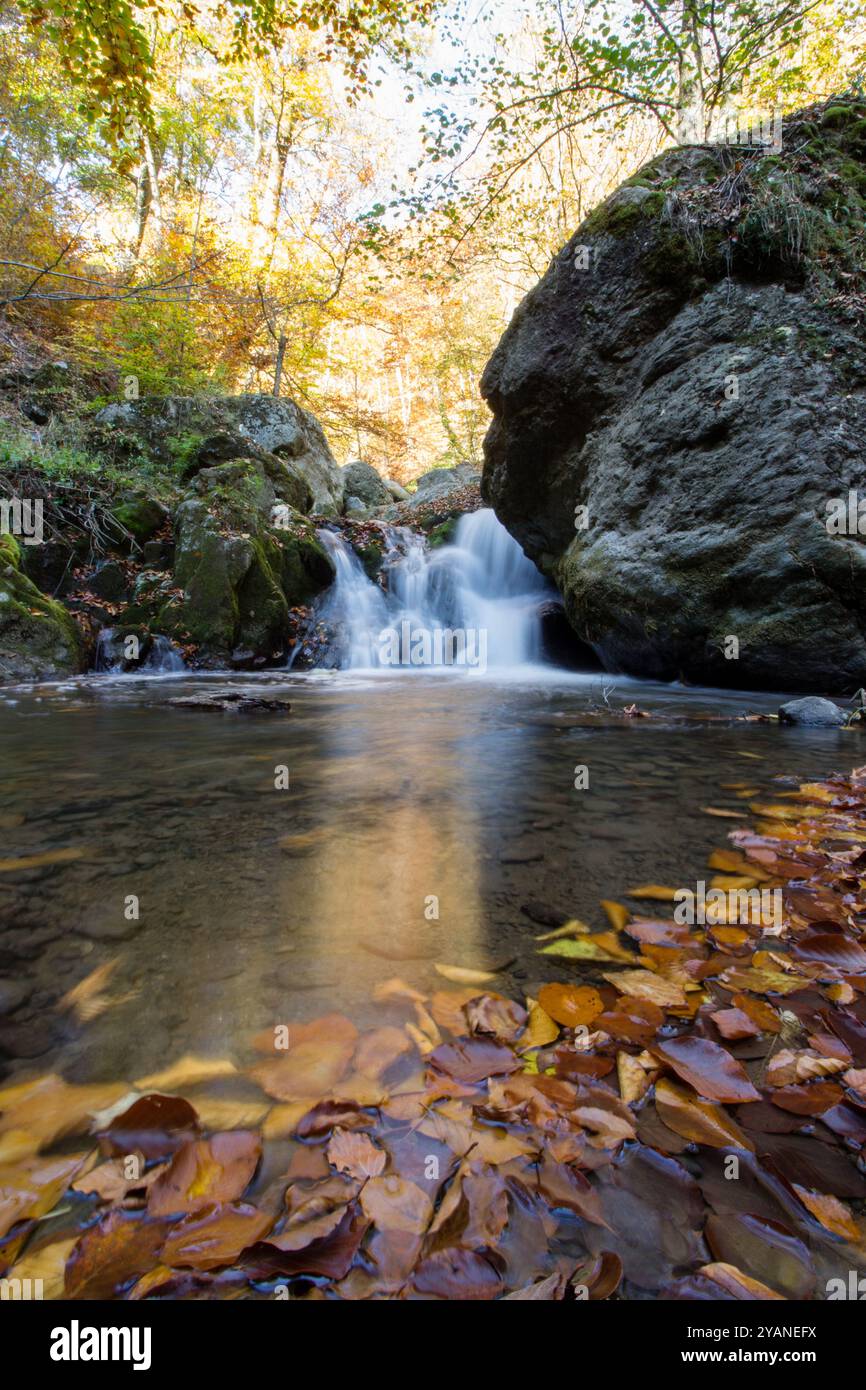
(260, 905)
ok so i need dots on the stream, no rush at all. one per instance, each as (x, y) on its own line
(260, 905)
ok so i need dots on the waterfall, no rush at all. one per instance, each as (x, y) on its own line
(474, 603)
(161, 657)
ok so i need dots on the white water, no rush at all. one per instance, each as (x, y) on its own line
(483, 586)
(163, 657)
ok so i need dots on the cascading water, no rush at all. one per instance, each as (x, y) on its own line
(161, 658)
(475, 603)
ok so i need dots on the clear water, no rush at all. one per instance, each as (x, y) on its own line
(401, 787)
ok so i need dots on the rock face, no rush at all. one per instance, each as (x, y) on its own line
(200, 432)
(679, 400)
(244, 556)
(38, 638)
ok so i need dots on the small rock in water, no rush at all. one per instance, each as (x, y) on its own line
(543, 915)
(814, 711)
(14, 993)
(232, 702)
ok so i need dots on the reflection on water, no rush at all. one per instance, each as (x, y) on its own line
(422, 812)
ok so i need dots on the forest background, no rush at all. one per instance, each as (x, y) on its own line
(344, 202)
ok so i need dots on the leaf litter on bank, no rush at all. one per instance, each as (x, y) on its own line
(570, 1144)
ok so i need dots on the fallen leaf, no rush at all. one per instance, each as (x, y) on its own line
(356, 1154)
(712, 1071)
(571, 1005)
(697, 1120)
(215, 1236)
(460, 975)
(204, 1171)
(394, 1204)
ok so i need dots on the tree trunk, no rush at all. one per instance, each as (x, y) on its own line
(278, 366)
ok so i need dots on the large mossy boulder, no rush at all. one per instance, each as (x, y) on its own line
(680, 398)
(191, 433)
(244, 558)
(38, 638)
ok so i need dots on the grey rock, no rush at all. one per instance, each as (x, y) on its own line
(204, 431)
(14, 993)
(231, 702)
(397, 491)
(360, 480)
(356, 506)
(109, 582)
(813, 711)
(440, 481)
(705, 506)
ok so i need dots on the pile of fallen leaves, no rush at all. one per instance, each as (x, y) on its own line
(687, 1121)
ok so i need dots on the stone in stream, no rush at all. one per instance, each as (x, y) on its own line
(14, 993)
(813, 711)
(231, 702)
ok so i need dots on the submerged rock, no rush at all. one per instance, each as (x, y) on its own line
(680, 398)
(814, 711)
(232, 702)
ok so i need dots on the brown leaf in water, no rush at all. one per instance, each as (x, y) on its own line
(763, 1250)
(833, 1215)
(446, 1006)
(654, 891)
(735, 1282)
(549, 1290)
(189, 1071)
(461, 975)
(540, 1029)
(154, 1125)
(394, 1204)
(395, 988)
(564, 1186)
(48, 1109)
(811, 1099)
(87, 999)
(329, 1114)
(31, 1187)
(203, 1171)
(325, 1247)
(643, 984)
(39, 861)
(712, 1071)
(308, 1068)
(356, 1154)
(457, 1274)
(494, 1015)
(115, 1180)
(573, 1006)
(762, 1014)
(616, 914)
(632, 1020)
(378, 1050)
(734, 1024)
(633, 1080)
(697, 1120)
(472, 1060)
(119, 1248)
(47, 1265)
(215, 1235)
